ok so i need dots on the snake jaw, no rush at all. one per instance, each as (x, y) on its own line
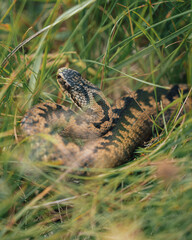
(62, 83)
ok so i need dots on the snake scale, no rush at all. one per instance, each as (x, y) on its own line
(109, 134)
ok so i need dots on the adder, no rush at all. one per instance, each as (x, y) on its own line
(98, 135)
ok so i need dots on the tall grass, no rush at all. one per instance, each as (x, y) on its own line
(118, 45)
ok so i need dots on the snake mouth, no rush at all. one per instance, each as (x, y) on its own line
(62, 82)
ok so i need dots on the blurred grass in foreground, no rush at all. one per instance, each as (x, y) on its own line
(149, 41)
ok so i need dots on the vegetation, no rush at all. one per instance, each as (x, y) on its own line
(118, 45)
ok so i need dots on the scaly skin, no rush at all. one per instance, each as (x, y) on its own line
(110, 134)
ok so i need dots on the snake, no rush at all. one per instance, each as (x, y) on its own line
(97, 134)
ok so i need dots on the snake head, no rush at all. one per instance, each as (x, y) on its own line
(76, 87)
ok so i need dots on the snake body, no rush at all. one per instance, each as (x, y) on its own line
(109, 134)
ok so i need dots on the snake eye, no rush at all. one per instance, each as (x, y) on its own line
(58, 76)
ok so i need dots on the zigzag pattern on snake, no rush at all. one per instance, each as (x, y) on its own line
(109, 134)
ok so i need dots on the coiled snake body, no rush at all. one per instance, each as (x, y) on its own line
(109, 134)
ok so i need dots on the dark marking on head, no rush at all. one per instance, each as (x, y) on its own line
(70, 74)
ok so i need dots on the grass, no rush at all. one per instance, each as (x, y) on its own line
(118, 45)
